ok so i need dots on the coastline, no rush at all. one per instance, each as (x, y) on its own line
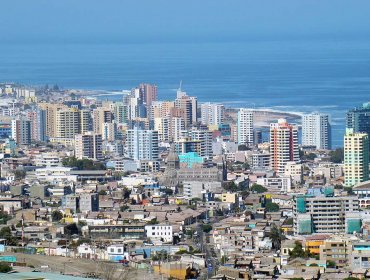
(263, 117)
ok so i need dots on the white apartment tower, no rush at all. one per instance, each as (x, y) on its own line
(212, 114)
(204, 137)
(245, 127)
(177, 126)
(162, 125)
(142, 144)
(316, 131)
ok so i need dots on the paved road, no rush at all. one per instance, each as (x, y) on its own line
(208, 249)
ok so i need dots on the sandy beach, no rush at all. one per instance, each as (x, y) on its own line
(263, 117)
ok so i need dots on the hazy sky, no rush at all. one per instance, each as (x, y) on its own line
(124, 20)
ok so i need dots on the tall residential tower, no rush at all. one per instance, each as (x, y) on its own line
(245, 127)
(283, 145)
(316, 131)
(356, 158)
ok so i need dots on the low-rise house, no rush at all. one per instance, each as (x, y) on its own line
(117, 253)
(159, 232)
(86, 251)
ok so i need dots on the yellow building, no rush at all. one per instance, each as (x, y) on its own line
(175, 270)
(229, 197)
(313, 243)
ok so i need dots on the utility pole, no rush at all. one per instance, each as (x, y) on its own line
(22, 232)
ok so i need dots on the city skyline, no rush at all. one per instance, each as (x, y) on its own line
(185, 140)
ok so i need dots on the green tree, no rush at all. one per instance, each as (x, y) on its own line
(102, 192)
(232, 187)
(206, 228)
(351, 278)
(337, 155)
(331, 264)
(276, 236)
(310, 156)
(246, 166)
(193, 207)
(189, 232)
(71, 229)
(83, 164)
(6, 233)
(299, 252)
(4, 217)
(258, 188)
(5, 268)
(153, 222)
(288, 221)
(56, 216)
(244, 194)
(272, 207)
(124, 208)
(19, 174)
(160, 255)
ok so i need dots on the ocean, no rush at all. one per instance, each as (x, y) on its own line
(302, 76)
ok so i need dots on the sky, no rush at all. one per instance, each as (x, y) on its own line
(158, 20)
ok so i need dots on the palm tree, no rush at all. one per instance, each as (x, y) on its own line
(276, 236)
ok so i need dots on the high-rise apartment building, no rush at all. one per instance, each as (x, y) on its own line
(41, 125)
(61, 121)
(283, 145)
(324, 213)
(162, 126)
(142, 144)
(109, 131)
(177, 126)
(162, 109)
(316, 131)
(85, 121)
(51, 112)
(212, 114)
(67, 123)
(21, 131)
(356, 157)
(188, 107)
(88, 145)
(32, 117)
(245, 127)
(120, 112)
(148, 93)
(358, 119)
(205, 139)
(101, 115)
(135, 105)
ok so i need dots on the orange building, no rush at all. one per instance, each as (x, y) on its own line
(312, 243)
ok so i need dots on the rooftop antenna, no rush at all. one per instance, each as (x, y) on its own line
(180, 85)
